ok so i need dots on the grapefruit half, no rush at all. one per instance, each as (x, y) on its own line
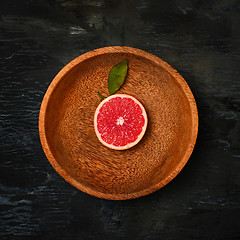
(120, 121)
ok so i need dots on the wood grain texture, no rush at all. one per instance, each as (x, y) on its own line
(68, 137)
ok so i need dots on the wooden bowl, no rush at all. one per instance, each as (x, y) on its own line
(67, 132)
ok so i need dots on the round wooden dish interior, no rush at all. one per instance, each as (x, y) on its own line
(67, 132)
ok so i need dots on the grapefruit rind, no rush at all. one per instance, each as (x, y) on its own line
(128, 145)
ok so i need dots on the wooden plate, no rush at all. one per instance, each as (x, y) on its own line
(67, 132)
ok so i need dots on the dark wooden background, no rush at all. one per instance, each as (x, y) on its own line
(199, 38)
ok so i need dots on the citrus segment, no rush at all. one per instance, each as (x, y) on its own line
(120, 121)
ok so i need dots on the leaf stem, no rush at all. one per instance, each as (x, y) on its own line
(101, 96)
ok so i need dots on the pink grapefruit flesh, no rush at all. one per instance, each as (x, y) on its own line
(120, 121)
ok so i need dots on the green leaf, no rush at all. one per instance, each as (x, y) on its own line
(101, 96)
(117, 76)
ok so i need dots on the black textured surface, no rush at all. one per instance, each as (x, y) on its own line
(201, 39)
